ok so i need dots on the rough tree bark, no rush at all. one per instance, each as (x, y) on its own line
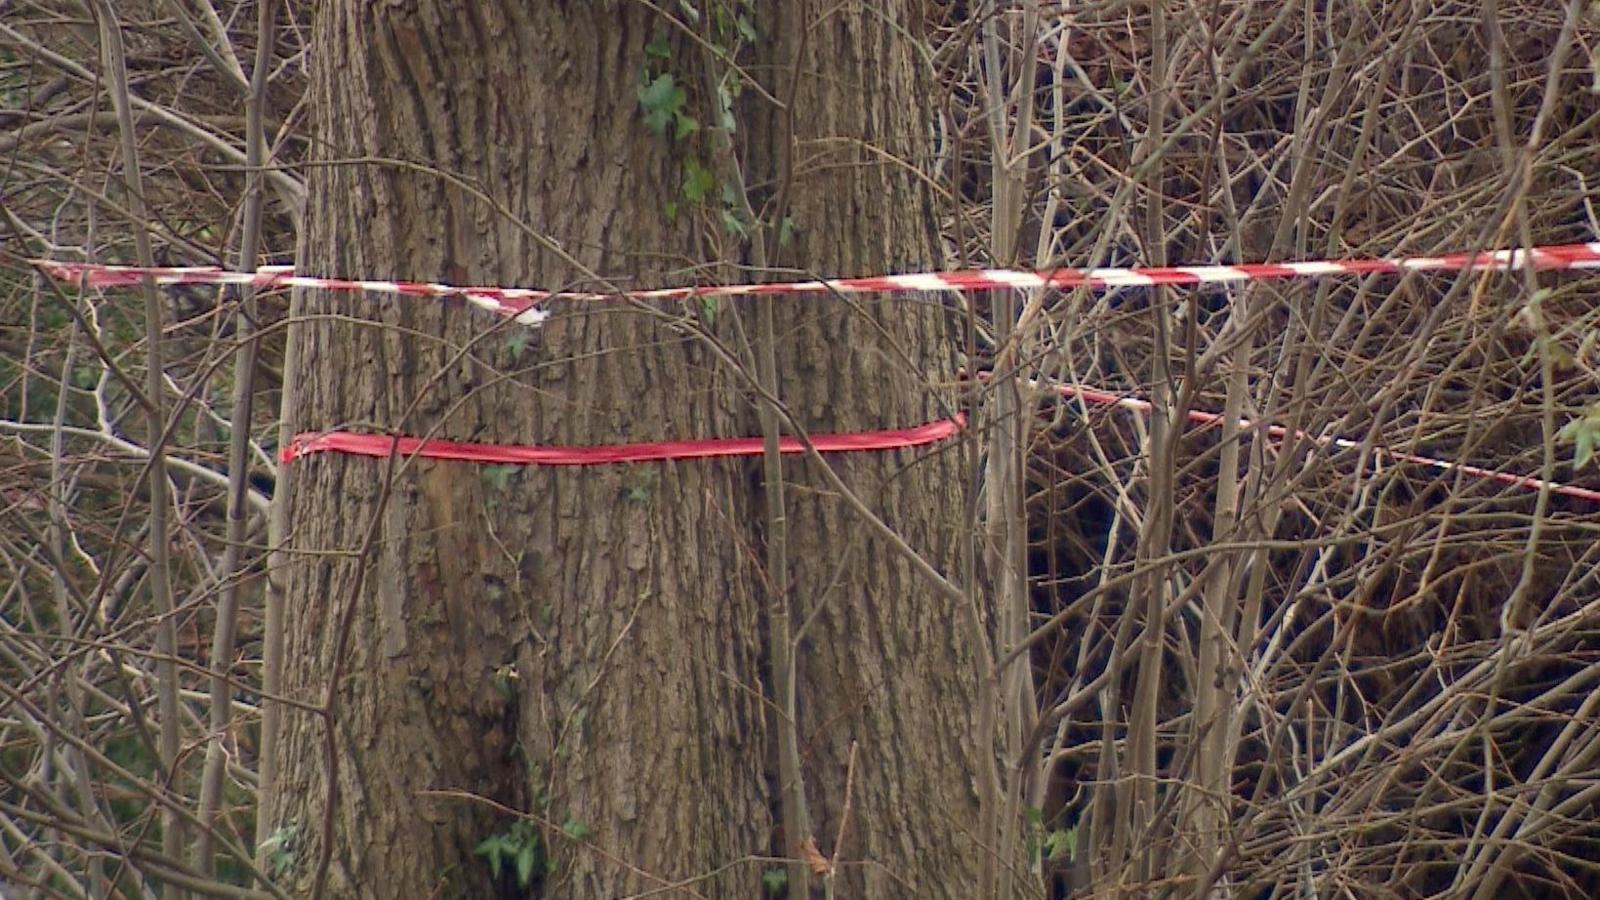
(587, 645)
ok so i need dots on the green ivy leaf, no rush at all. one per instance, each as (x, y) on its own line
(725, 96)
(697, 181)
(656, 121)
(525, 860)
(657, 93)
(279, 849)
(662, 100)
(491, 849)
(498, 477)
(1583, 433)
(686, 125)
(1061, 844)
(734, 225)
(575, 829)
(775, 880)
(658, 48)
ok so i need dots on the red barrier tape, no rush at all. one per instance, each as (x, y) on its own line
(1199, 417)
(521, 302)
(381, 446)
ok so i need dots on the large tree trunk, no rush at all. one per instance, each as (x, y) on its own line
(589, 645)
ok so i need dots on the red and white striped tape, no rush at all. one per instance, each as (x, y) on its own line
(1199, 417)
(521, 302)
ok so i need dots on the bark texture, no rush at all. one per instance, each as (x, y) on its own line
(586, 645)
(886, 662)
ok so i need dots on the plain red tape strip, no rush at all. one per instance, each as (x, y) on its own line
(381, 446)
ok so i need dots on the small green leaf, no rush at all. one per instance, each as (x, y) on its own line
(56, 318)
(279, 850)
(657, 93)
(658, 48)
(491, 848)
(656, 121)
(517, 342)
(662, 100)
(1034, 815)
(747, 28)
(686, 125)
(1062, 844)
(1561, 358)
(1583, 433)
(575, 829)
(526, 857)
(725, 96)
(498, 477)
(672, 210)
(697, 180)
(775, 880)
(786, 232)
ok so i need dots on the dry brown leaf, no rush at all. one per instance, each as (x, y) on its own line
(819, 864)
